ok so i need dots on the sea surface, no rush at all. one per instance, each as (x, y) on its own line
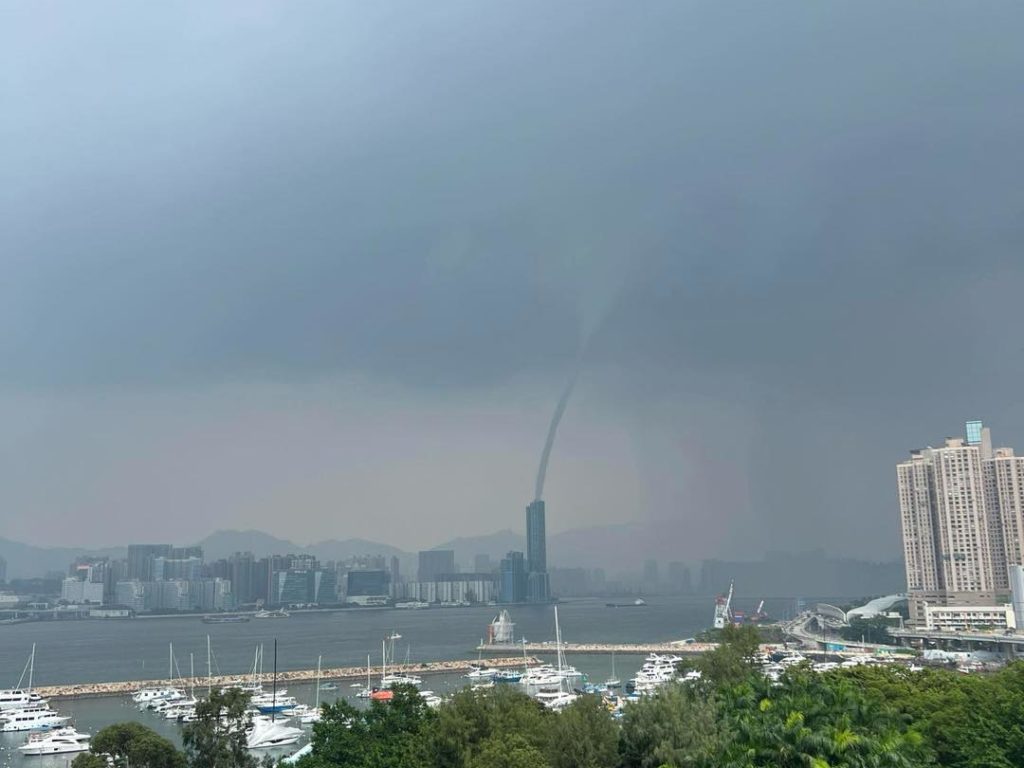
(109, 650)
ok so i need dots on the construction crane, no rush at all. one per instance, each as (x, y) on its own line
(723, 609)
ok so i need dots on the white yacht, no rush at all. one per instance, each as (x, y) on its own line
(555, 700)
(31, 720)
(19, 699)
(157, 698)
(400, 679)
(58, 742)
(266, 735)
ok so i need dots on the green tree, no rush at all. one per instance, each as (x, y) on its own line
(217, 738)
(584, 735)
(508, 750)
(732, 660)
(386, 735)
(89, 760)
(810, 719)
(135, 745)
(469, 718)
(677, 726)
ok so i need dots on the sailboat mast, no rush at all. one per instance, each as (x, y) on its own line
(209, 668)
(319, 659)
(273, 708)
(31, 667)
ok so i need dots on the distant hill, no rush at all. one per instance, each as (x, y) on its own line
(28, 561)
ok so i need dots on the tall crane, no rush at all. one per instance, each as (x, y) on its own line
(723, 609)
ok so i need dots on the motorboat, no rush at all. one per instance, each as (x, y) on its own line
(281, 613)
(306, 714)
(270, 734)
(555, 700)
(157, 698)
(269, 703)
(481, 673)
(431, 699)
(57, 742)
(31, 720)
(507, 676)
(17, 698)
(400, 679)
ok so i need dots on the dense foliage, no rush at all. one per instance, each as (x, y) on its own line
(217, 737)
(865, 717)
(130, 744)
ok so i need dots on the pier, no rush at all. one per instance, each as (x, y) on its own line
(678, 647)
(123, 687)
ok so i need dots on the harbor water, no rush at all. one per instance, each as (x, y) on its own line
(109, 650)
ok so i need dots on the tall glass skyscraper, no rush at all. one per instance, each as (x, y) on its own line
(537, 554)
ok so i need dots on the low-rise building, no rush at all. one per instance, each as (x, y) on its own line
(79, 592)
(959, 618)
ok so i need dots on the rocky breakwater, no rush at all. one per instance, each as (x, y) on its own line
(300, 675)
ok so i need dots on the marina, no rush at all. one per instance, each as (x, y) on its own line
(121, 687)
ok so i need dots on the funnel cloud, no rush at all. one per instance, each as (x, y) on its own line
(545, 456)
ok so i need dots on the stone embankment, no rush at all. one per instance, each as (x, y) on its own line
(678, 648)
(300, 675)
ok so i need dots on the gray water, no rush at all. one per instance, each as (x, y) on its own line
(110, 650)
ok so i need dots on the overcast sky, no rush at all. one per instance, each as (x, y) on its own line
(323, 269)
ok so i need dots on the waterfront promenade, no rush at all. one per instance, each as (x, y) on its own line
(297, 675)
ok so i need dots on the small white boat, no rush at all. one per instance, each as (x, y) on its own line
(278, 614)
(400, 679)
(431, 699)
(58, 742)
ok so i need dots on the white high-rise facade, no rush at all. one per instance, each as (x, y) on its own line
(962, 520)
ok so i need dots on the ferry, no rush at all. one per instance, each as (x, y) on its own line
(235, 619)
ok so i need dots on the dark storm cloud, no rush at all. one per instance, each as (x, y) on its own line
(809, 212)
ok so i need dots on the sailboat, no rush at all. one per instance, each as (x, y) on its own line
(367, 691)
(22, 698)
(562, 696)
(613, 681)
(382, 693)
(309, 715)
(158, 697)
(272, 733)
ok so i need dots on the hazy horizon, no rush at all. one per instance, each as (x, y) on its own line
(325, 273)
